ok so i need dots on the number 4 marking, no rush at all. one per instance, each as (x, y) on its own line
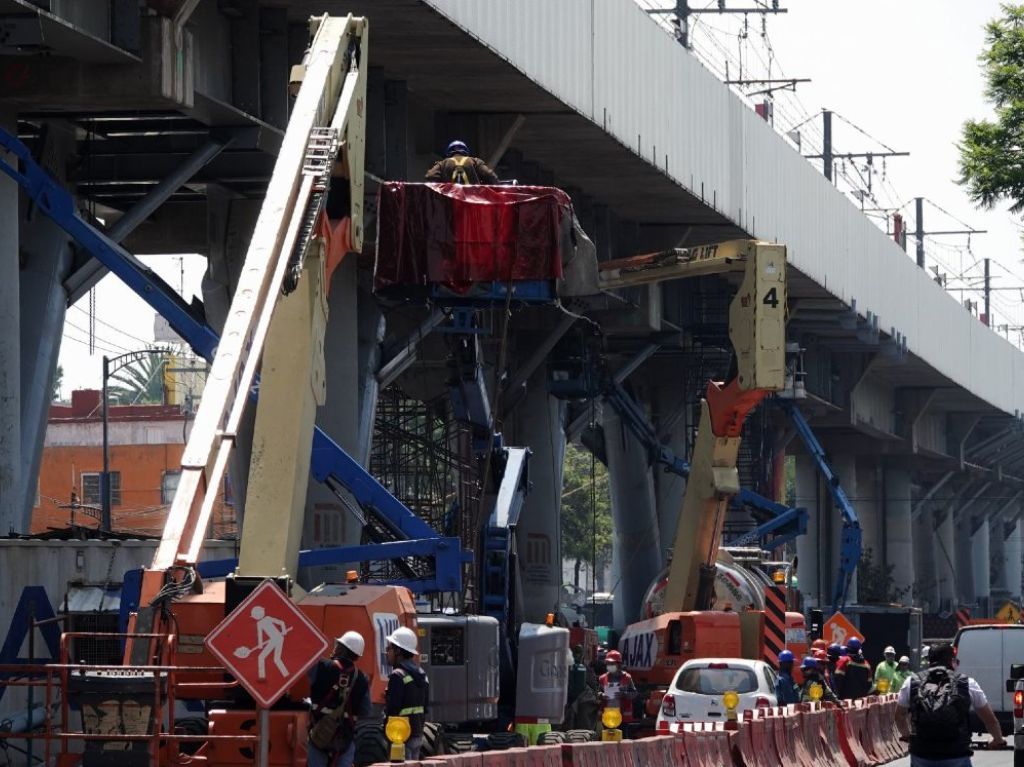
(771, 298)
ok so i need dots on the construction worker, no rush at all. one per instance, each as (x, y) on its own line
(853, 673)
(617, 687)
(818, 644)
(811, 670)
(459, 167)
(821, 656)
(408, 688)
(337, 684)
(901, 674)
(834, 653)
(885, 670)
(786, 691)
(581, 710)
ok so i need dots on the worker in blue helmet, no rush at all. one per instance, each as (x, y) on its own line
(853, 673)
(460, 167)
(786, 691)
(812, 673)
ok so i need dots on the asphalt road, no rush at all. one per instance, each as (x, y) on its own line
(981, 758)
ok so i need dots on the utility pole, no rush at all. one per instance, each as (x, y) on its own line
(683, 11)
(105, 523)
(828, 154)
(919, 230)
(826, 145)
(988, 291)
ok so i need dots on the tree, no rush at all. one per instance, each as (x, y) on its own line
(141, 381)
(586, 511)
(875, 583)
(58, 380)
(992, 151)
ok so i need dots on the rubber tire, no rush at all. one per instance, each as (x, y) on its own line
(552, 738)
(458, 743)
(580, 736)
(433, 740)
(372, 745)
(499, 741)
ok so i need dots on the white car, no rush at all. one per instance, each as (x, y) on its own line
(1015, 686)
(696, 691)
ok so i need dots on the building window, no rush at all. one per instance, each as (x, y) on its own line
(91, 488)
(169, 486)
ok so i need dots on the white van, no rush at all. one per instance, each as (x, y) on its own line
(986, 653)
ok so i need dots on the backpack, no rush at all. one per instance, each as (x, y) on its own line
(940, 705)
(323, 733)
(459, 172)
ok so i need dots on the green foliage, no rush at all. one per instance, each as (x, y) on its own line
(992, 151)
(58, 380)
(586, 510)
(141, 382)
(875, 584)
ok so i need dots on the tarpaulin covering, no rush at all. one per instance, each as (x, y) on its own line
(456, 235)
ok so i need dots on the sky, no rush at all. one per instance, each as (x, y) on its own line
(905, 72)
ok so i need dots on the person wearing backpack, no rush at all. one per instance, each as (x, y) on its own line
(853, 673)
(934, 708)
(339, 695)
(459, 167)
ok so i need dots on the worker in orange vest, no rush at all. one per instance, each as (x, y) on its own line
(617, 687)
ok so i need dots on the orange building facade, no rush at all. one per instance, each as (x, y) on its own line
(146, 445)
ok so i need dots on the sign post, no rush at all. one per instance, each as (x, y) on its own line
(267, 644)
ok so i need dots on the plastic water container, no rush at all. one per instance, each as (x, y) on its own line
(542, 677)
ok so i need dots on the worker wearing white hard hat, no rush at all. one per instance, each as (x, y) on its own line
(408, 687)
(884, 672)
(902, 673)
(339, 695)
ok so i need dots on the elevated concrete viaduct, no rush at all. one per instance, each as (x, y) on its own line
(165, 122)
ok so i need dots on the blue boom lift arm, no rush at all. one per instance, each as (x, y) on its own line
(850, 540)
(330, 464)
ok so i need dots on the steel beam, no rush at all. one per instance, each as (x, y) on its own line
(576, 425)
(81, 281)
(536, 359)
(920, 505)
(405, 354)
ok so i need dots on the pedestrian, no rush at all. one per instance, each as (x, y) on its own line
(786, 691)
(600, 664)
(617, 687)
(885, 671)
(460, 167)
(811, 670)
(933, 708)
(408, 688)
(901, 674)
(853, 673)
(339, 695)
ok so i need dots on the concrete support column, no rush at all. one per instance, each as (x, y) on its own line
(813, 559)
(1014, 550)
(869, 504)
(925, 591)
(981, 561)
(634, 516)
(47, 255)
(11, 515)
(966, 594)
(997, 552)
(537, 424)
(230, 223)
(327, 521)
(899, 540)
(669, 488)
(945, 560)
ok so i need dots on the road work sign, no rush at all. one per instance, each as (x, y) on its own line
(1009, 612)
(839, 630)
(266, 643)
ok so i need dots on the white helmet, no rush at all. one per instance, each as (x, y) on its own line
(890, 650)
(354, 641)
(404, 638)
(904, 659)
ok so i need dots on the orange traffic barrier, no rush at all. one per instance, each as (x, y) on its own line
(586, 754)
(848, 740)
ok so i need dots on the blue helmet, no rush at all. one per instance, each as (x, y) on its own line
(456, 147)
(834, 651)
(808, 663)
(853, 645)
(785, 657)
(843, 651)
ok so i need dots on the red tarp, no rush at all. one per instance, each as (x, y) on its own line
(457, 235)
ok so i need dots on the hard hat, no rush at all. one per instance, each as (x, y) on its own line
(904, 659)
(843, 651)
(853, 645)
(456, 147)
(808, 662)
(785, 657)
(890, 650)
(819, 644)
(613, 656)
(834, 651)
(354, 641)
(820, 655)
(404, 639)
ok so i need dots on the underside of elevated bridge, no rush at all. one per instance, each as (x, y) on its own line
(166, 125)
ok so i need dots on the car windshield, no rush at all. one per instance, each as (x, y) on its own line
(715, 681)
